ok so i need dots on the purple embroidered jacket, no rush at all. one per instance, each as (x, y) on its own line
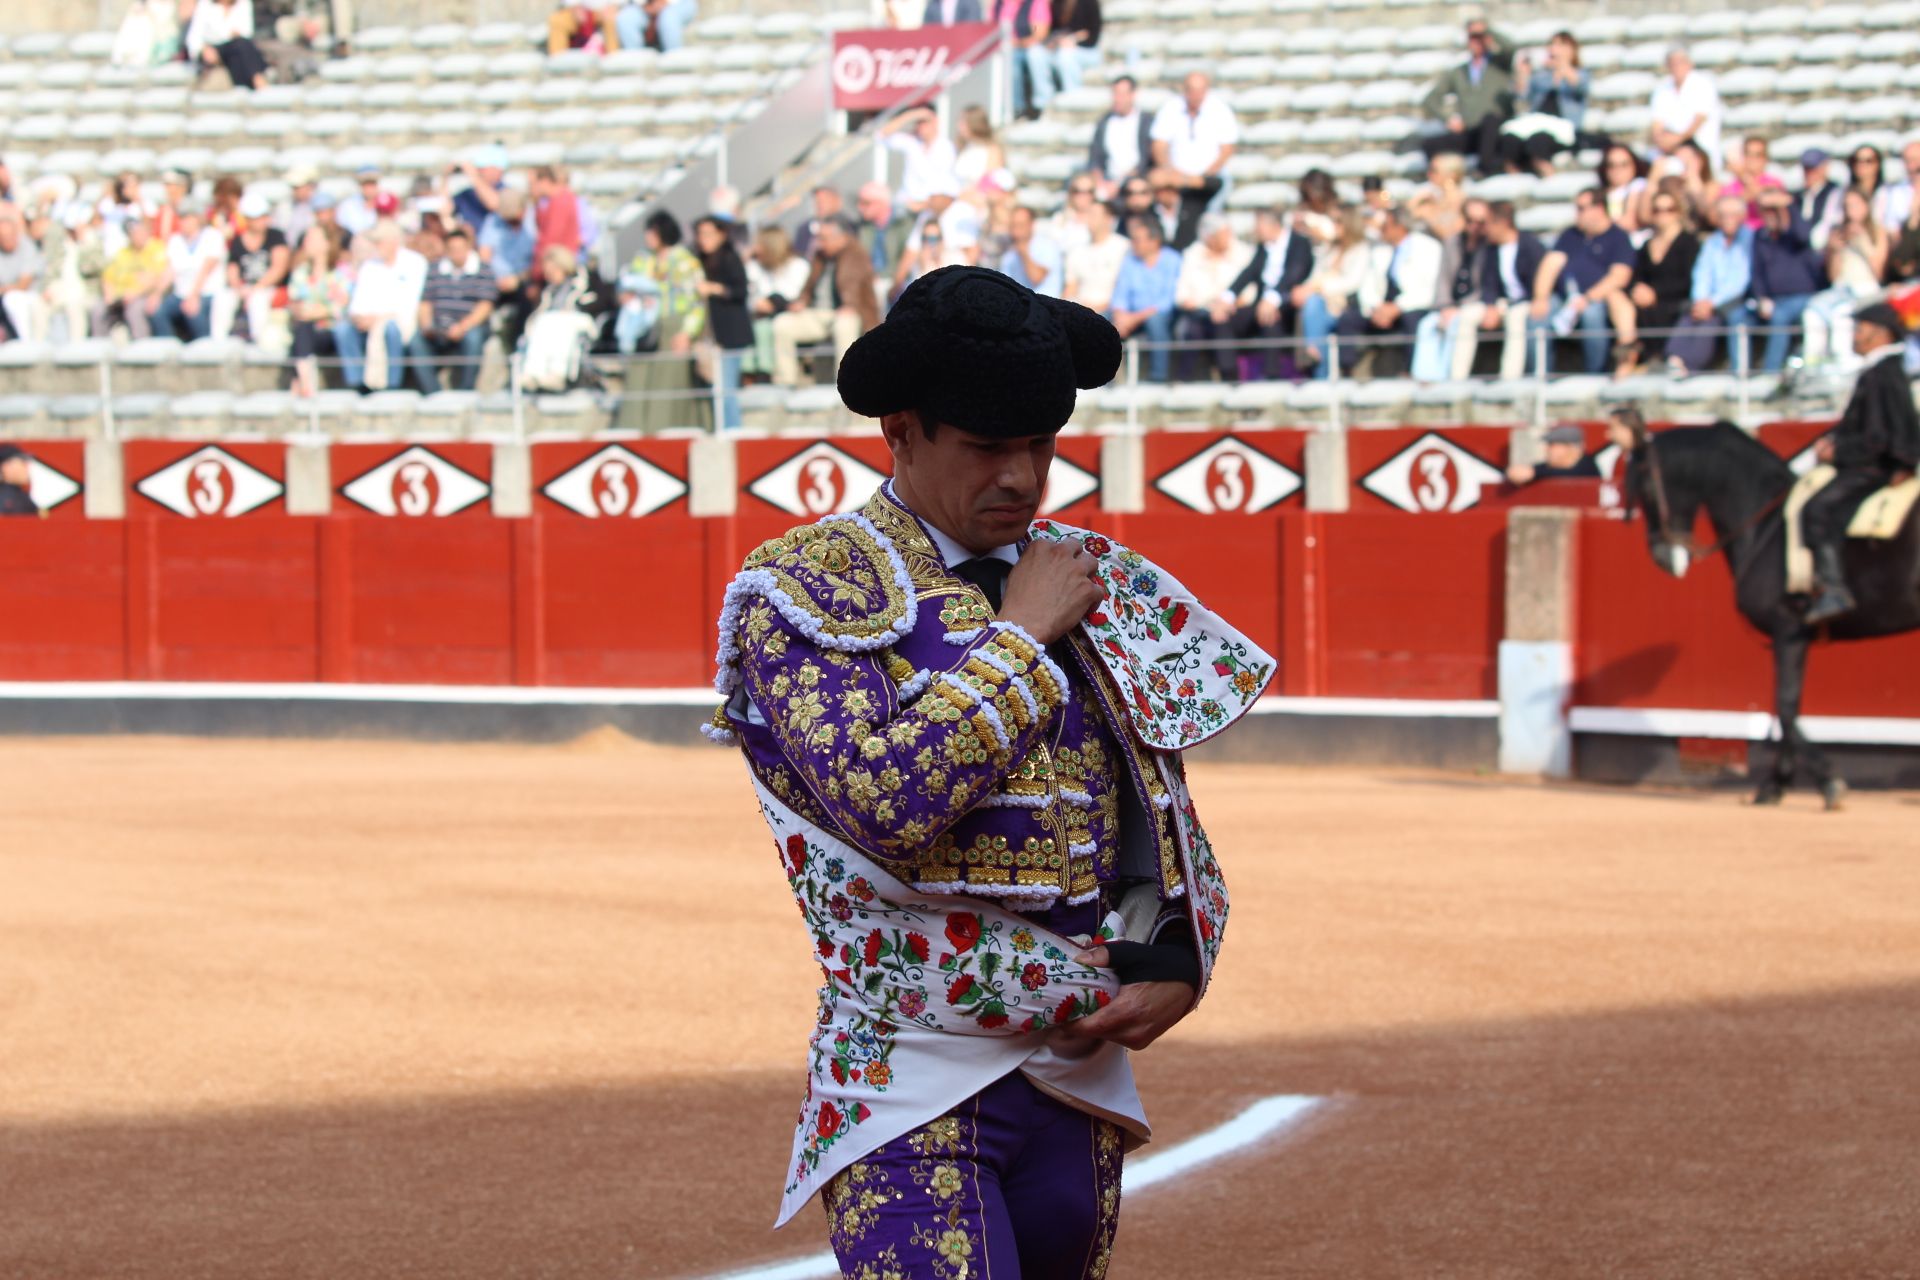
(877, 696)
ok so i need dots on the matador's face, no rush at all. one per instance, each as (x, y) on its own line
(981, 492)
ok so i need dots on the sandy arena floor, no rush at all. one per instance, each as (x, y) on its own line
(358, 1011)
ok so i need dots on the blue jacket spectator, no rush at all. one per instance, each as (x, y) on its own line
(1552, 107)
(1722, 278)
(1143, 297)
(947, 13)
(1787, 272)
(507, 240)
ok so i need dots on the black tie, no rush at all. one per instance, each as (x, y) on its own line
(987, 573)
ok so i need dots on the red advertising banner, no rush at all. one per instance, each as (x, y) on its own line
(877, 69)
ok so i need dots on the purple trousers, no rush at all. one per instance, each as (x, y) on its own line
(1009, 1184)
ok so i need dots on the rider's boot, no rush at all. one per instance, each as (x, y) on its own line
(1833, 600)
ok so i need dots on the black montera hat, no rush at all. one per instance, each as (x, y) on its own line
(1884, 315)
(978, 350)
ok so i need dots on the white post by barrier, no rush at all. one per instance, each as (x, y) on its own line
(1133, 386)
(1123, 473)
(309, 479)
(105, 496)
(1334, 386)
(712, 476)
(1536, 655)
(1328, 486)
(108, 427)
(512, 479)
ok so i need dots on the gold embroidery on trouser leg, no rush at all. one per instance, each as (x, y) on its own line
(1106, 1162)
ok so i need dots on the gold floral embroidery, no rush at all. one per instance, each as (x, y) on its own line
(838, 575)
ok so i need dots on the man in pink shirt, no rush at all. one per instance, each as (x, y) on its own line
(1747, 177)
(557, 212)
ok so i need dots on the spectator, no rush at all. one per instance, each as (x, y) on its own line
(979, 154)
(358, 212)
(636, 320)
(385, 307)
(1441, 201)
(1320, 211)
(1143, 296)
(1686, 107)
(561, 329)
(149, 35)
(1566, 459)
(1662, 276)
(1894, 202)
(296, 215)
(1623, 182)
(1721, 277)
(1556, 100)
(122, 204)
(882, 235)
(197, 260)
(75, 258)
(174, 185)
(134, 284)
(486, 172)
(1437, 339)
(1857, 253)
(1747, 177)
(951, 13)
(16, 482)
(654, 24)
(581, 26)
(1474, 99)
(221, 34)
(456, 304)
(1194, 135)
(223, 214)
(1068, 226)
(1033, 259)
(1508, 265)
(1122, 145)
(926, 254)
(775, 277)
(1203, 297)
(1025, 24)
(556, 212)
(1070, 49)
(506, 245)
(1344, 269)
(725, 290)
(929, 158)
(827, 203)
(675, 271)
(1866, 173)
(257, 263)
(1179, 220)
(841, 264)
(1264, 296)
(317, 295)
(1093, 269)
(1819, 197)
(1694, 170)
(1787, 272)
(959, 228)
(1411, 286)
(1583, 283)
(1136, 201)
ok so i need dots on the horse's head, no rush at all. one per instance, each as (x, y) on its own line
(1646, 486)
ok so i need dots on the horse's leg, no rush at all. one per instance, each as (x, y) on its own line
(1789, 672)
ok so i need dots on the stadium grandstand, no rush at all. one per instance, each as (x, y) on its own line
(609, 212)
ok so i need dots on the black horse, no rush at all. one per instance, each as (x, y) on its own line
(1741, 483)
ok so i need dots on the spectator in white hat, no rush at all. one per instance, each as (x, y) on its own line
(257, 262)
(295, 215)
(75, 260)
(358, 212)
(384, 309)
(930, 158)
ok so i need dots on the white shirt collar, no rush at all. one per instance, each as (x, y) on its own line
(1887, 352)
(951, 552)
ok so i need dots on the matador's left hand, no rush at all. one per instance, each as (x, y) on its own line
(1139, 1015)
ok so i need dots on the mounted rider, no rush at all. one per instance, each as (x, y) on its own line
(1876, 439)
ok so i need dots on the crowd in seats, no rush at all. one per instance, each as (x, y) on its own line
(386, 289)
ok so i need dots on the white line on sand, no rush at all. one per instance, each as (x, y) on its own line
(1263, 1119)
